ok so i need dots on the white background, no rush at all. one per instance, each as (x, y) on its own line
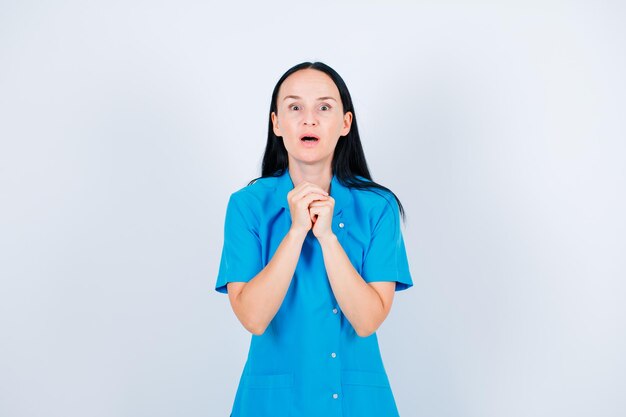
(125, 126)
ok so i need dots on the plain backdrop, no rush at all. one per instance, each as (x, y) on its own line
(125, 126)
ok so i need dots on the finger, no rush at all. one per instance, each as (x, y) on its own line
(315, 212)
(321, 203)
(302, 194)
(310, 198)
(320, 211)
(305, 188)
(329, 202)
(311, 186)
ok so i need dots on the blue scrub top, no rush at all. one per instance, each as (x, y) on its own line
(310, 361)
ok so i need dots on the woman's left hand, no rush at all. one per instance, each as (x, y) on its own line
(321, 213)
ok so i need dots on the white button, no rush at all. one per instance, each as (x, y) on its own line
(341, 225)
(334, 355)
(335, 396)
(334, 311)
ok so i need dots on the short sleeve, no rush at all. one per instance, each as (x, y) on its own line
(241, 253)
(386, 258)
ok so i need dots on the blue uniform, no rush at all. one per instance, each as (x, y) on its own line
(310, 362)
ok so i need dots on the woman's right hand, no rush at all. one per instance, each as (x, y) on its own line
(299, 198)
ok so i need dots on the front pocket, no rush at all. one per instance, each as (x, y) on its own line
(367, 394)
(265, 395)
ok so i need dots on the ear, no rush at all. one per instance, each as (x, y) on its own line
(275, 126)
(347, 122)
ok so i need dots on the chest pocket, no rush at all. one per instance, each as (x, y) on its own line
(353, 241)
(265, 395)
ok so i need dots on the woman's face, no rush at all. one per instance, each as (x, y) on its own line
(309, 105)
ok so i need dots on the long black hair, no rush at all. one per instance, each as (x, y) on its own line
(348, 158)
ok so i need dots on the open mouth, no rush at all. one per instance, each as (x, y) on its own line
(309, 137)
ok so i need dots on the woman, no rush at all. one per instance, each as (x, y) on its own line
(312, 256)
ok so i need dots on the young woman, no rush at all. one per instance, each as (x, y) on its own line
(313, 253)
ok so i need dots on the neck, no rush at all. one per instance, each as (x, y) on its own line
(316, 174)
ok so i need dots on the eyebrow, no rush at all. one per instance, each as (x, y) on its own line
(319, 98)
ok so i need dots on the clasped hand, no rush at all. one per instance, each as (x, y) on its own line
(311, 207)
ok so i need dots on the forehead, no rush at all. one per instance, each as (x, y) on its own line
(308, 83)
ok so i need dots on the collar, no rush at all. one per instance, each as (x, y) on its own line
(341, 194)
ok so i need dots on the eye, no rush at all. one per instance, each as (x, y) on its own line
(325, 105)
(294, 105)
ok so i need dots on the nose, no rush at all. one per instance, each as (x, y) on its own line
(309, 118)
